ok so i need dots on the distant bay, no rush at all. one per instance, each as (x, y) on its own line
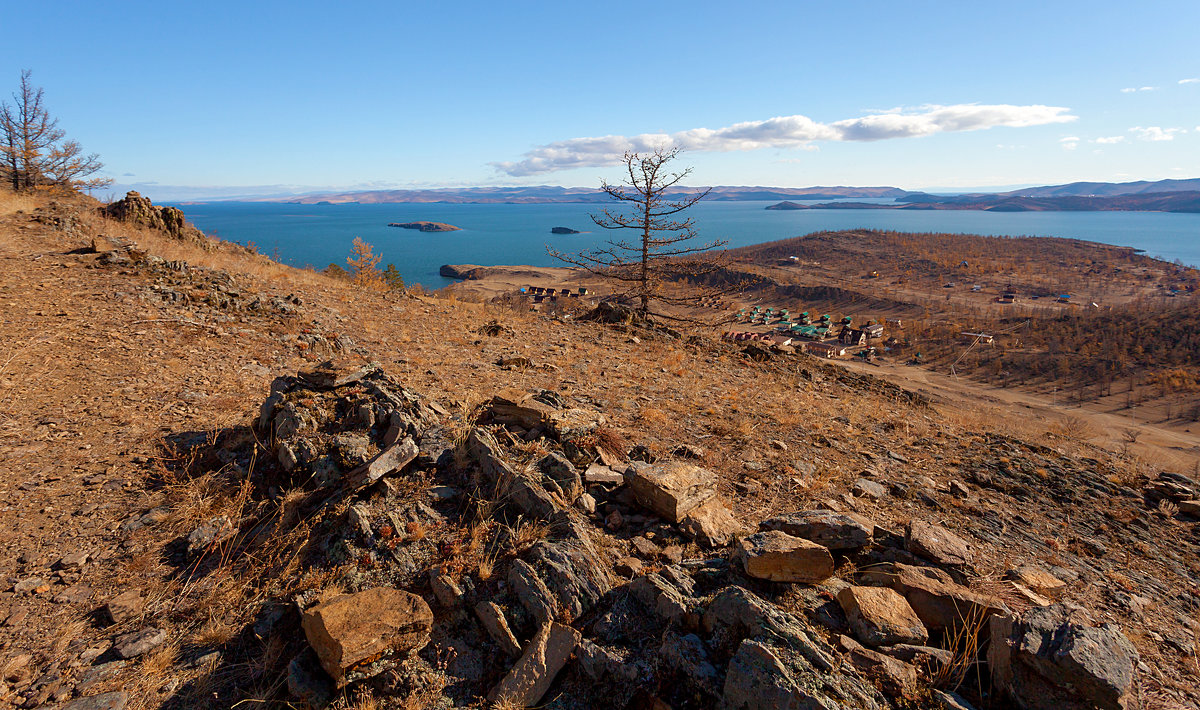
(317, 235)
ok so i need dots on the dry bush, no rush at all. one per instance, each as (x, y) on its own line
(1073, 427)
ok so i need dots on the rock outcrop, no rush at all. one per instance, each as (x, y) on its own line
(1044, 660)
(136, 209)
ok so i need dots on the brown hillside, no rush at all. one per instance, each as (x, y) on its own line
(195, 506)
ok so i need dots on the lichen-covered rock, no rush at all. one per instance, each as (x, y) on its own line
(563, 575)
(765, 675)
(1043, 660)
(663, 599)
(497, 479)
(343, 423)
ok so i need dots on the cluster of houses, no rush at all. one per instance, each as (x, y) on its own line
(541, 294)
(821, 337)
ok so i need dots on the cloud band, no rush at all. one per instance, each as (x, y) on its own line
(785, 132)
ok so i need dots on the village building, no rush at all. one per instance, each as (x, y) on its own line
(827, 350)
(852, 337)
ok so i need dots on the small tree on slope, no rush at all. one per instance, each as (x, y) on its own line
(32, 150)
(643, 267)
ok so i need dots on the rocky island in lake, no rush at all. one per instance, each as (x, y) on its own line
(426, 226)
(564, 230)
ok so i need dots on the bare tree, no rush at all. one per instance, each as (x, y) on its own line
(32, 148)
(651, 205)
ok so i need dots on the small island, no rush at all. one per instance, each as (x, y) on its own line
(785, 205)
(564, 230)
(426, 226)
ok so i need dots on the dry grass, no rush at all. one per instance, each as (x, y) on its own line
(964, 644)
(218, 254)
(528, 532)
(214, 632)
(159, 662)
(363, 699)
(12, 202)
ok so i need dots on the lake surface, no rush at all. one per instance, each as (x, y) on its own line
(317, 235)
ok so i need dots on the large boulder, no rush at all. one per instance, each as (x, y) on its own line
(764, 675)
(136, 209)
(564, 575)
(836, 531)
(879, 616)
(939, 602)
(1045, 661)
(671, 489)
(779, 557)
(351, 633)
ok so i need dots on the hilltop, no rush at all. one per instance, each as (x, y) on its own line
(231, 482)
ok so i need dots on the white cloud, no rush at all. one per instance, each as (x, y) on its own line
(1131, 90)
(1156, 133)
(1069, 143)
(785, 132)
(1108, 140)
(1194, 80)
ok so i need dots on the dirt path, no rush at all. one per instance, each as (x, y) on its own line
(1108, 430)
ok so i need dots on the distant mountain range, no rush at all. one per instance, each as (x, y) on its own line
(1108, 189)
(1139, 202)
(541, 194)
(552, 194)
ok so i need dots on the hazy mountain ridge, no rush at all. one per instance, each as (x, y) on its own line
(549, 194)
(544, 194)
(1142, 202)
(1108, 189)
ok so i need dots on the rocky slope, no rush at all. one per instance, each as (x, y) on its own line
(233, 482)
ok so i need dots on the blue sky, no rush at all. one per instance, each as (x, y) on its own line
(400, 94)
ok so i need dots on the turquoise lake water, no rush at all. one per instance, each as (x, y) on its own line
(317, 235)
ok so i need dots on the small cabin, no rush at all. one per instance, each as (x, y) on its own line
(852, 337)
(873, 330)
